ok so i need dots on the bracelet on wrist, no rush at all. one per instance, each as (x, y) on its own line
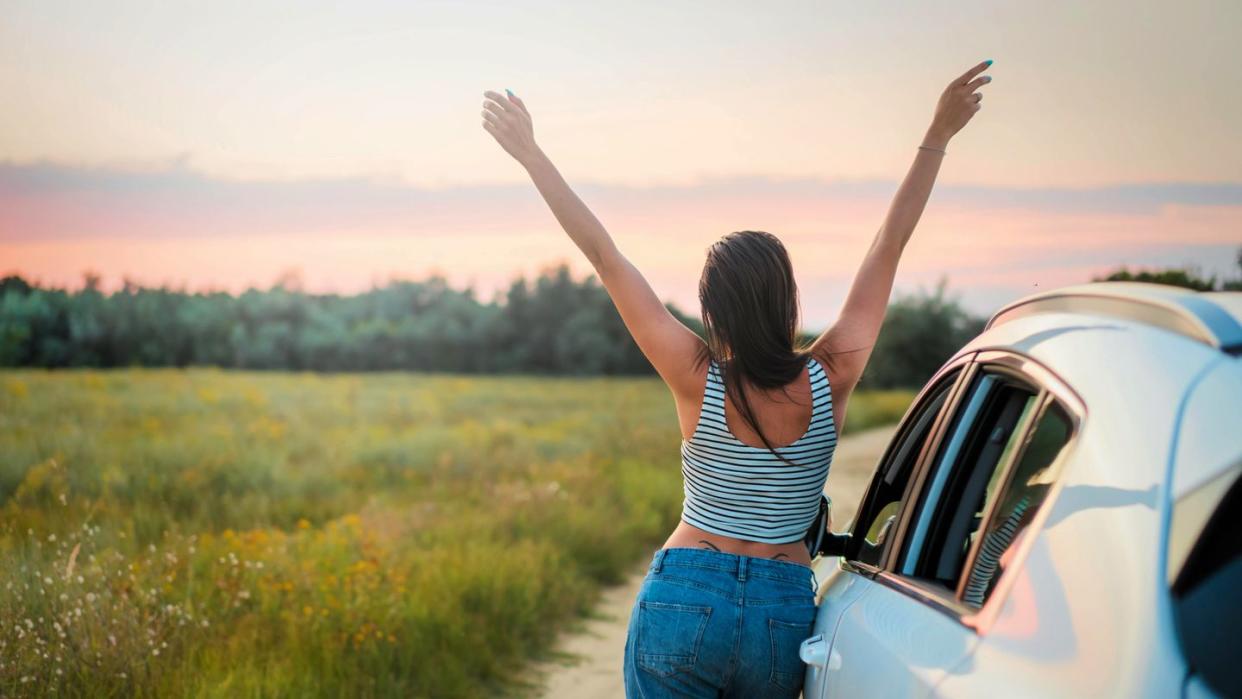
(934, 150)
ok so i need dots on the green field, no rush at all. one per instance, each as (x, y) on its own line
(209, 533)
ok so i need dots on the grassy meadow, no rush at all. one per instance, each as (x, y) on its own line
(205, 533)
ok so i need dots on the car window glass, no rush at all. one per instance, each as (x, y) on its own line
(963, 480)
(878, 515)
(1027, 486)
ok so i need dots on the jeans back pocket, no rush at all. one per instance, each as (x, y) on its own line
(668, 636)
(788, 670)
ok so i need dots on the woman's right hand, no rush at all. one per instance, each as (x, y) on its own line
(958, 103)
(509, 122)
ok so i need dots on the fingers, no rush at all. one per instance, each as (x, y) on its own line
(977, 97)
(493, 109)
(978, 83)
(966, 77)
(518, 101)
(500, 100)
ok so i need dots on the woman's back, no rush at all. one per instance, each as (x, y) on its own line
(782, 413)
(749, 492)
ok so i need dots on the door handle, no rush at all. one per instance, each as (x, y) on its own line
(814, 651)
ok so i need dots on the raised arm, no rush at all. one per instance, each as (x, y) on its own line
(853, 336)
(669, 345)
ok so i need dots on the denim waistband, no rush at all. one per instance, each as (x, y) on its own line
(742, 566)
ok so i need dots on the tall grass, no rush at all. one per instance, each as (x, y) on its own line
(207, 533)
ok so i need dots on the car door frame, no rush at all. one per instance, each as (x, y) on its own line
(1051, 388)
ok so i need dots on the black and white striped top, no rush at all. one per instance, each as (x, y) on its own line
(746, 492)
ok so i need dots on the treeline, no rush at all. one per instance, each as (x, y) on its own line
(552, 324)
(1177, 276)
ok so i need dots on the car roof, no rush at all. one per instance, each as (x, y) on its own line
(1214, 318)
(1134, 354)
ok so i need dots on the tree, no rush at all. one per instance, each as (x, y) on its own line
(1177, 276)
(920, 332)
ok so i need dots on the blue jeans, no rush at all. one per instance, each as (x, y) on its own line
(713, 624)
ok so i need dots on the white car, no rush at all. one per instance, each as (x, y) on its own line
(1058, 515)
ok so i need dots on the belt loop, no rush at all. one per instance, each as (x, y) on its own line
(741, 568)
(658, 563)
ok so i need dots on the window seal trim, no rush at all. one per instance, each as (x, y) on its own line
(922, 466)
(921, 516)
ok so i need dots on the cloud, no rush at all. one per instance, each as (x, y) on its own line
(47, 201)
(169, 224)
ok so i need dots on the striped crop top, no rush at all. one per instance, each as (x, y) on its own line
(746, 492)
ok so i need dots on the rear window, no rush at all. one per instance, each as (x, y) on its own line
(1207, 603)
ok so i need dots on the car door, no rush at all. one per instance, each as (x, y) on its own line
(941, 544)
(851, 574)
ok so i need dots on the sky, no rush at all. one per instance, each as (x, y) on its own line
(223, 145)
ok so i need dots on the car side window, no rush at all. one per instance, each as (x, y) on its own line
(1026, 488)
(964, 478)
(873, 528)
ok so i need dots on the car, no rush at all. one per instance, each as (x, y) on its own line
(1057, 514)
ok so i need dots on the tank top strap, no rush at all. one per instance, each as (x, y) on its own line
(713, 395)
(821, 392)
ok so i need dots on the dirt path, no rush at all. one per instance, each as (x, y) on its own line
(593, 668)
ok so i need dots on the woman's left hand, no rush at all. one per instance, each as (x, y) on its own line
(507, 120)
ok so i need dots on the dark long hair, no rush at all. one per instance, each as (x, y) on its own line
(750, 313)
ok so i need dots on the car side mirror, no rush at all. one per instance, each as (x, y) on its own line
(830, 544)
(834, 544)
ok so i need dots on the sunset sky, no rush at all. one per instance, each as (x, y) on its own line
(219, 145)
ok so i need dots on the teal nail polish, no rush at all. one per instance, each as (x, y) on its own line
(509, 91)
(989, 61)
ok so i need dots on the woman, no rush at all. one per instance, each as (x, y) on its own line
(729, 597)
